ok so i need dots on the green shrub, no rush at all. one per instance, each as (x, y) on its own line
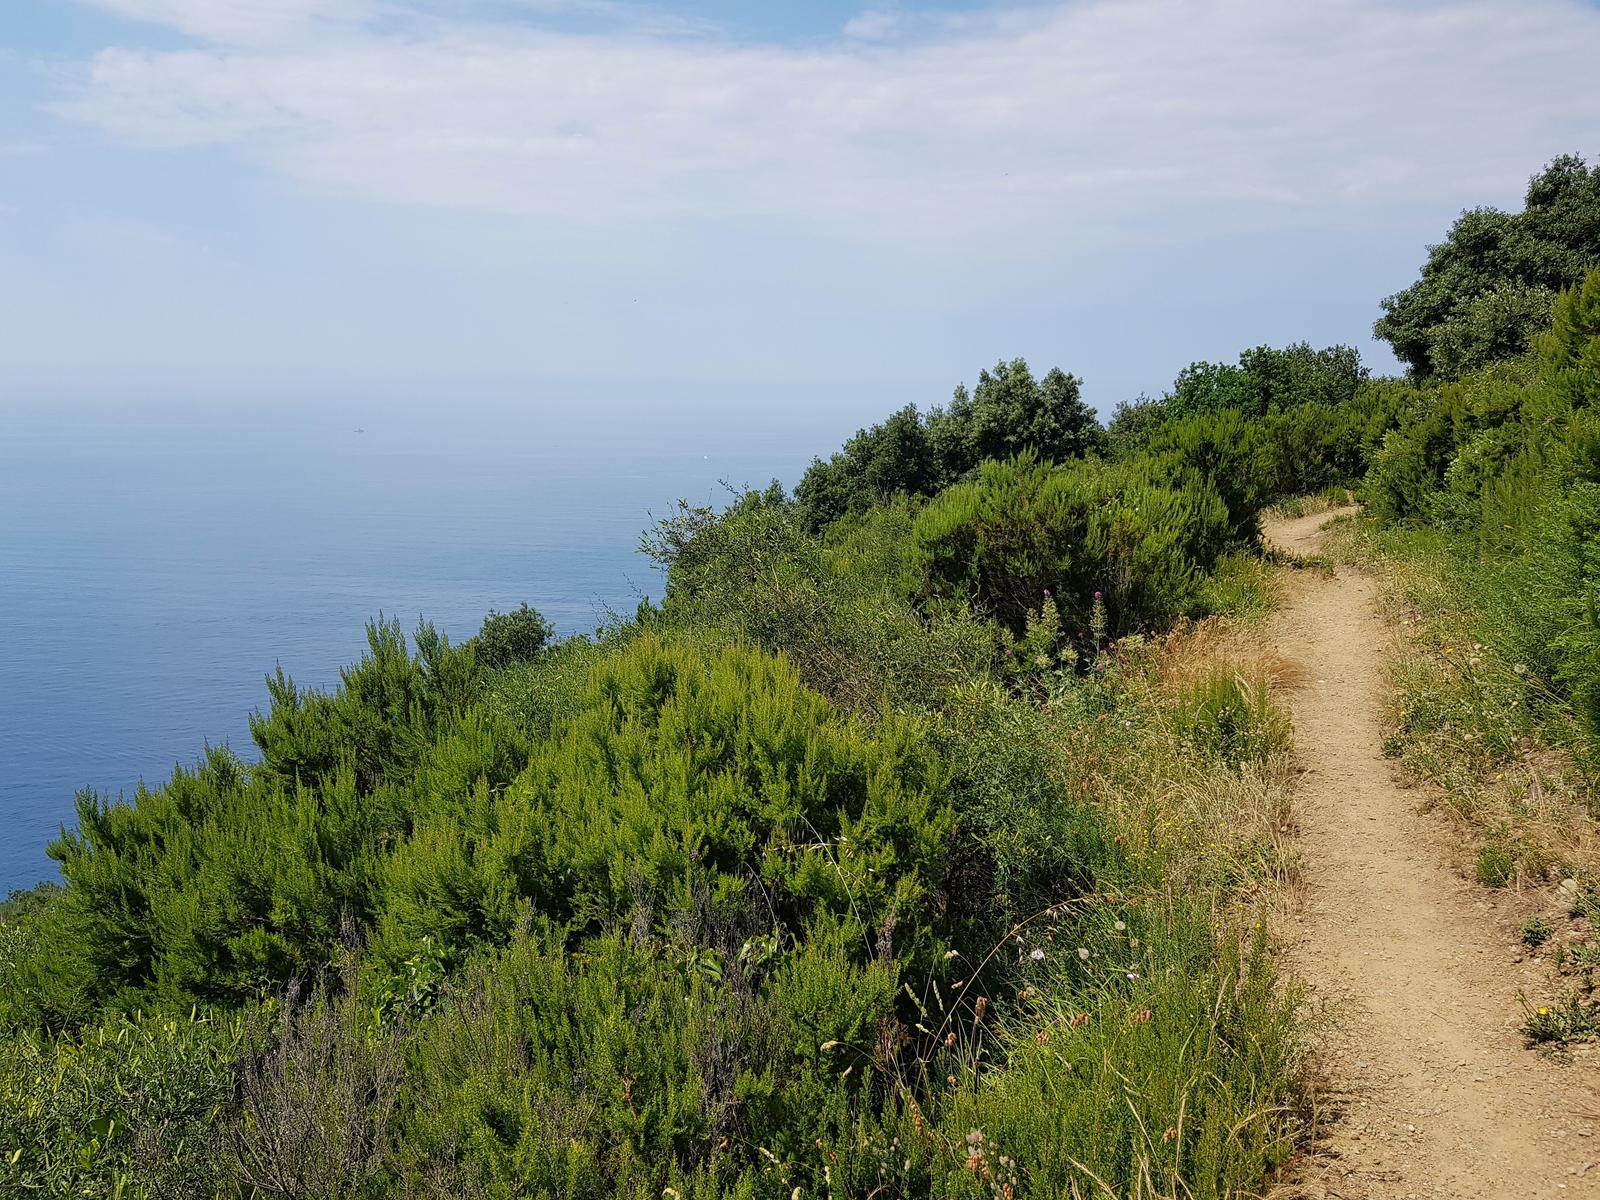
(839, 607)
(682, 778)
(229, 881)
(1027, 843)
(1021, 531)
(638, 1064)
(1535, 932)
(130, 1106)
(1496, 866)
(515, 637)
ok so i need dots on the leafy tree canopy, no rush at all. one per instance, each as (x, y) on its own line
(1267, 380)
(1008, 412)
(1487, 289)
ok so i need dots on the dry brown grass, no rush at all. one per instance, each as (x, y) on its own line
(1199, 649)
(1218, 817)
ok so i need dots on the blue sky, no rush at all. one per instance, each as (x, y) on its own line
(783, 218)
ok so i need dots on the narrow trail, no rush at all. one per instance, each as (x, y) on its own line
(1433, 1092)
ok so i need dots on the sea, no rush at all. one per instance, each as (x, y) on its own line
(152, 575)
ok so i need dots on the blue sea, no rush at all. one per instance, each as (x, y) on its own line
(151, 576)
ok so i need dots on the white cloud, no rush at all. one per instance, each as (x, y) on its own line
(247, 22)
(1055, 123)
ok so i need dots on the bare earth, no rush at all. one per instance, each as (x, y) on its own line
(1434, 1094)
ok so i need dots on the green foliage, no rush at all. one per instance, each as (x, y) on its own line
(229, 881)
(1008, 413)
(1535, 932)
(1571, 1021)
(518, 636)
(1506, 460)
(839, 606)
(1266, 381)
(1021, 532)
(679, 786)
(1026, 844)
(1485, 291)
(1133, 423)
(128, 1107)
(626, 1067)
(1496, 866)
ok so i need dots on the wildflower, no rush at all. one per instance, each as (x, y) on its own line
(974, 1138)
(1042, 1037)
(1120, 926)
(1543, 1012)
(1133, 976)
(950, 1079)
(1083, 953)
(1036, 954)
(1169, 1134)
(949, 1040)
(1097, 596)
(949, 954)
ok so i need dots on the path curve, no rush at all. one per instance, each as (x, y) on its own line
(1435, 1096)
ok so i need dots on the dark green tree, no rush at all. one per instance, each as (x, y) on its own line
(1007, 413)
(1487, 288)
(1267, 380)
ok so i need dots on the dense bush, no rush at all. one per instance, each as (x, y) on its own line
(839, 606)
(129, 1107)
(230, 880)
(1087, 535)
(514, 637)
(725, 790)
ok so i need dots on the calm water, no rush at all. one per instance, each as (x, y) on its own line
(148, 581)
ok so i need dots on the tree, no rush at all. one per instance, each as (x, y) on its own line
(1267, 380)
(1007, 413)
(1011, 413)
(1486, 290)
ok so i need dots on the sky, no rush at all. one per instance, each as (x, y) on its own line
(620, 217)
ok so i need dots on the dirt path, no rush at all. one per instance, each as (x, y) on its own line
(1434, 1094)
